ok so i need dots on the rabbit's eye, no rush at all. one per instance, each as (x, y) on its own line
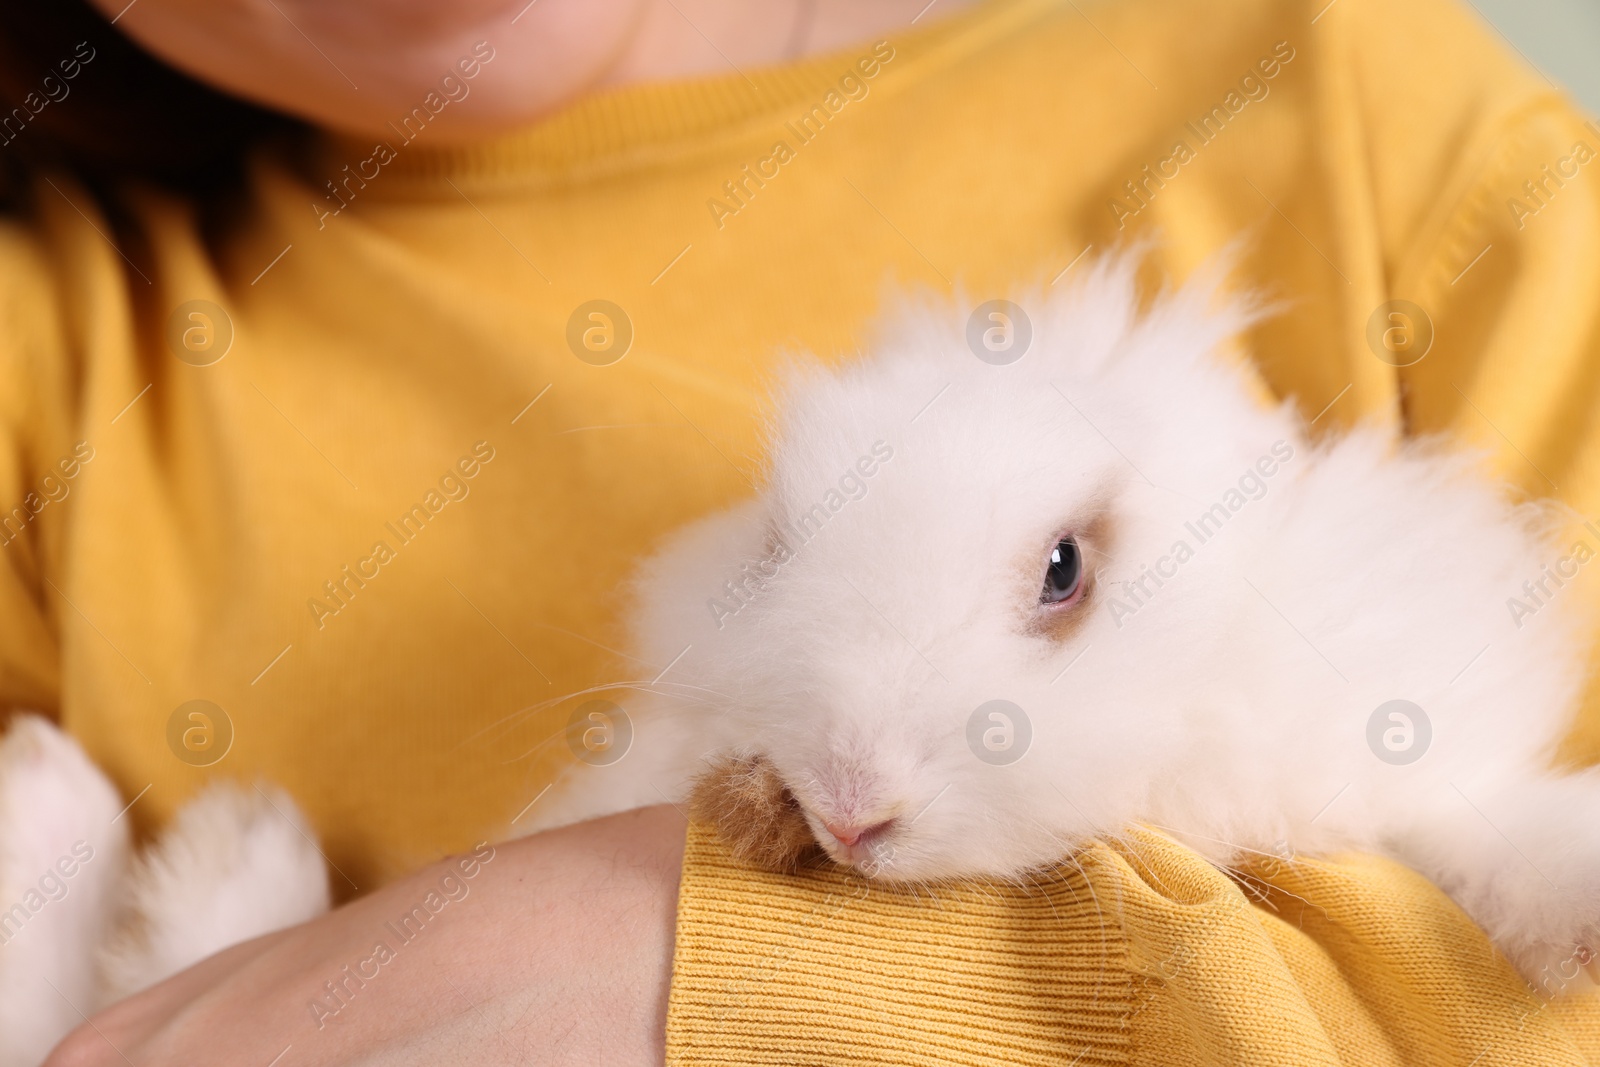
(1064, 578)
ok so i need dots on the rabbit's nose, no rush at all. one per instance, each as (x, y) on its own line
(849, 835)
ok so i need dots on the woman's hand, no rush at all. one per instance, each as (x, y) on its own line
(556, 949)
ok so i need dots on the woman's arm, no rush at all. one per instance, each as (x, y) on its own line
(557, 948)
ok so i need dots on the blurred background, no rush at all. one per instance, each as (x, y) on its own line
(1560, 37)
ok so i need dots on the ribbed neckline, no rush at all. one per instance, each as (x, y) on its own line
(635, 125)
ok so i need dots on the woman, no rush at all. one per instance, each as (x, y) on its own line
(556, 245)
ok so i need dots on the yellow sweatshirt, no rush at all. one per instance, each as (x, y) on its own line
(360, 465)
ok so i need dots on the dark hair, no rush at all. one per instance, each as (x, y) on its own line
(125, 114)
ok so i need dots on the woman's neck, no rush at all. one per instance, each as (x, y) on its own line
(353, 66)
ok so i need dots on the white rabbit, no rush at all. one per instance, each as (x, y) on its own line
(985, 609)
(1195, 616)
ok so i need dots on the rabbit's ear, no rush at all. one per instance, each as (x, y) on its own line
(754, 813)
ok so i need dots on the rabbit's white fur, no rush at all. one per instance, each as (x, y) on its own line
(84, 923)
(1227, 701)
(843, 627)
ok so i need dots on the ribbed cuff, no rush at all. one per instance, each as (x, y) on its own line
(823, 967)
